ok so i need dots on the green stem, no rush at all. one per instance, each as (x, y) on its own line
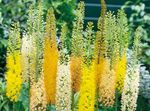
(116, 102)
(97, 100)
(72, 101)
(50, 107)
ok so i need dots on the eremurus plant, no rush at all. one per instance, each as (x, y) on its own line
(77, 48)
(35, 33)
(85, 80)
(63, 84)
(13, 59)
(131, 82)
(88, 84)
(50, 57)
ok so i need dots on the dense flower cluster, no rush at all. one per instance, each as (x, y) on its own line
(121, 72)
(88, 88)
(107, 85)
(36, 75)
(131, 83)
(131, 89)
(63, 88)
(26, 51)
(13, 76)
(77, 48)
(84, 78)
(50, 58)
(75, 68)
(106, 50)
(38, 100)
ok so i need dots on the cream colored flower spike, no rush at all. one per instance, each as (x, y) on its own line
(63, 88)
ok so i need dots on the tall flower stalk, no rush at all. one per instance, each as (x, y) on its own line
(88, 83)
(38, 100)
(50, 57)
(100, 44)
(87, 90)
(26, 51)
(107, 89)
(106, 50)
(131, 84)
(13, 74)
(77, 48)
(36, 34)
(63, 87)
(123, 35)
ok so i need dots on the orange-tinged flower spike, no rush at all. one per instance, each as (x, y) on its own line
(88, 88)
(13, 76)
(106, 84)
(121, 72)
(50, 58)
(99, 69)
(50, 70)
(77, 47)
(37, 95)
(75, 67)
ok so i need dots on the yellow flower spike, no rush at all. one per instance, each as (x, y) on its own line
(13, 76)
(50, 58)
(120, 72)
(121, 59)
(88, 88)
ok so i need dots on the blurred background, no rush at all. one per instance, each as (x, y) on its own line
(138, 13)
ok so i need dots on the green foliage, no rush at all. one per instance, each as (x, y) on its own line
(141, 17)
(65, 13)
(51, 108)
(64, 10)
(23, 103)
(5, 104)
(142, 104)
